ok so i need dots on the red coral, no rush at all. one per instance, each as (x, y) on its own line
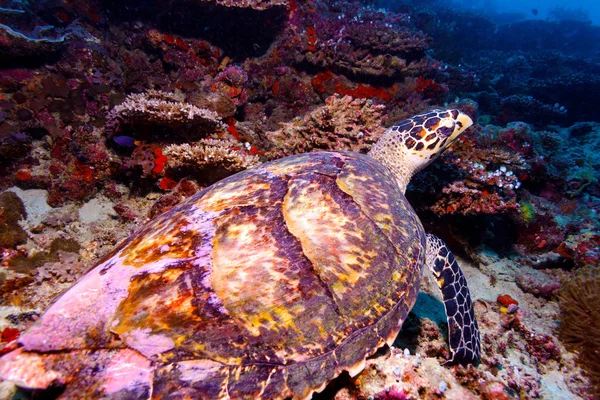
(125, 212)
(231, 128)
(366, 92)
(23, 175)
(325, 82)
(169, 39)
(167, 183)
(181, 44)
(232, 82)
(506, 300)
(159, 162)
(311, 34)
(430, 88)
(319, 80)
(9, 334)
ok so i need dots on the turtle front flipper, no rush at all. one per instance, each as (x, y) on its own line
(462, 326)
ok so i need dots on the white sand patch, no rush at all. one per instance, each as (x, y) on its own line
(97, 209)
(35, 203)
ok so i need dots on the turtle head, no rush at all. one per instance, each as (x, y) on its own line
(410, 145)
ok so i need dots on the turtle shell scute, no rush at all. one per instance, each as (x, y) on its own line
(267, 284)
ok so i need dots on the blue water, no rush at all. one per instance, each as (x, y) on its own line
(552, 10)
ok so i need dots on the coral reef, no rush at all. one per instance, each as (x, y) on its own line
(113, 112)
(343, 123)
(156, 108)
(36, 41)
(213, 154)
(489, 180)
(17, 44)
(254, 4)
(360, 41)
(12, 211)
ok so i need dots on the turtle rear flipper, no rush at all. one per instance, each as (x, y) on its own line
(462, 326)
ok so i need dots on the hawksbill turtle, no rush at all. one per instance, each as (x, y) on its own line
(266, 285)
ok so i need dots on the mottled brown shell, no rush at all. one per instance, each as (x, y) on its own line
(267, 284)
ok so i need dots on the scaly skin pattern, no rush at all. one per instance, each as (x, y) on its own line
(267, 284)
(412, 144)
(462, 325)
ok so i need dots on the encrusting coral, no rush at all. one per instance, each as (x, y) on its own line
(343, 123)
(166, 109)
(11, 211)
(580, 325)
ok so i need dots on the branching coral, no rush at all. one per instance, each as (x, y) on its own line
(460, 199)
(343, 123)
(224, 154)
(359, 41)
(580, 326)
(163, 109)
(254, 4)
(489, 184)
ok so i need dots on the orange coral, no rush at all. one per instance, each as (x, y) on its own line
(311, 33)
(360, 91)
(366, 92)
(232, 129)
(169, 39)
(428, 87)
(319, 80)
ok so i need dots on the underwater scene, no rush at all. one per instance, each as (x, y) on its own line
(299, 199)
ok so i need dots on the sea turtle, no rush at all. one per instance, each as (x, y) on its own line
(267, 284)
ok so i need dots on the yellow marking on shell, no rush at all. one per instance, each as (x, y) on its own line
(156, 303)
(314, 218)
(349, 186)
(165, 238)
(290, 165)
(357, 368)
(246, 254)
(235, 193)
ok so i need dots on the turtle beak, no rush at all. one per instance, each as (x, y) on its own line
(462, 122)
